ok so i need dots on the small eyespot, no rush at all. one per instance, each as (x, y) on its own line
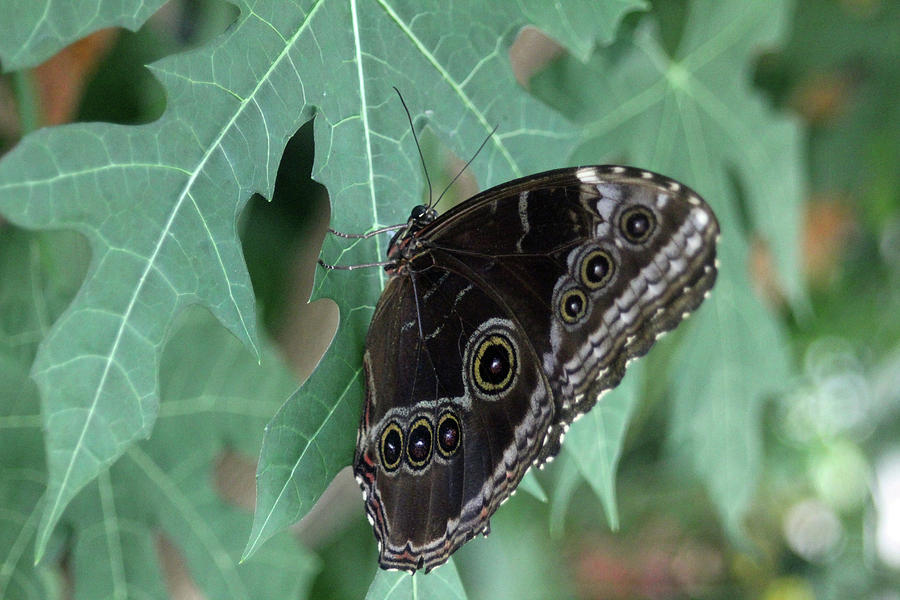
(449, 434)
(572, 305)
(418, 448)
(637, 224)
(391, 447)
(493, 364)
(596, 269)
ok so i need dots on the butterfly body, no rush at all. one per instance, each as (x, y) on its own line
(503, 320)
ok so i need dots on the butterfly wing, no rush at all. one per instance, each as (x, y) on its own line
(516, 311)
(438, 450)
(595, 262)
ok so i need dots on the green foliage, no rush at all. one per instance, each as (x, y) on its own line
(694, 116)
(117, 397)
(595, 441)
(397, 585)
(160, 485)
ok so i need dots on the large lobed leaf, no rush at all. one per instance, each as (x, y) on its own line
(162, 485)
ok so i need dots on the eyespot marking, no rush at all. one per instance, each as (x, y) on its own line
(597, 269)
(573, 305)
(494, 364)
(391, 446)
(449, 434)
(637, 224)
(419, 445)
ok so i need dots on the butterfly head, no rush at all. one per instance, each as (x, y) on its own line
(402, 245)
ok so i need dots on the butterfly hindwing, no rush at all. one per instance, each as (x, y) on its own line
(473, 388)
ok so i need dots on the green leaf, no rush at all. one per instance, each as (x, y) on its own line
(214, 394)
(442, 582)
(40, 274)
(728, 364)
(22, 480)
(694, 116)
(306, 443)
(569, 477)
(595, 440)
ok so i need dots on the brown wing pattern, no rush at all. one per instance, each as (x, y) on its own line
(512, 313)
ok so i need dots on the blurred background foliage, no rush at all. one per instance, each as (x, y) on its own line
(826, 519)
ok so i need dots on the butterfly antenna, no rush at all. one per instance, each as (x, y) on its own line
(466, 166)
(419, 148)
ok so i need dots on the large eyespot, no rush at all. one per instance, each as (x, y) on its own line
(418, 447)
(637, 224)
(449, 434)
(391, 446)
(573, 305)
(596, 269)
(493, 364)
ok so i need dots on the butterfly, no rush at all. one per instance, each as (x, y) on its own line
(503, 320)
